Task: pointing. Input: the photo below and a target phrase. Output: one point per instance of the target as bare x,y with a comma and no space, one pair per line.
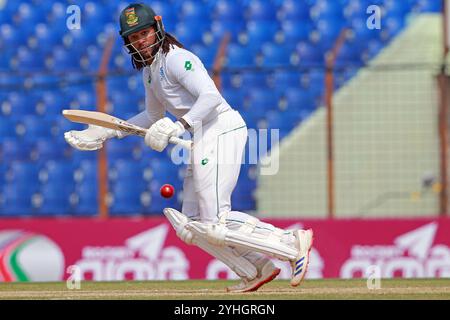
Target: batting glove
161,131
90,139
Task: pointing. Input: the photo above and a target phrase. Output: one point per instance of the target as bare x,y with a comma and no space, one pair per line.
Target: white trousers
215,165
211,177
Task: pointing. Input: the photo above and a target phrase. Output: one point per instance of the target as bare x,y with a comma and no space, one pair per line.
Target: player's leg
215,181
234,259
235,228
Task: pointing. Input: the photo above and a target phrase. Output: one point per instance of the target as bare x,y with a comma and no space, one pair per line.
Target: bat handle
181,142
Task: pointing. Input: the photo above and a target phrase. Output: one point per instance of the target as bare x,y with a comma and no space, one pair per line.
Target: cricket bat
107,121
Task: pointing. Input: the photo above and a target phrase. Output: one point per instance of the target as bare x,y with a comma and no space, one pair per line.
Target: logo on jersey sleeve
188,65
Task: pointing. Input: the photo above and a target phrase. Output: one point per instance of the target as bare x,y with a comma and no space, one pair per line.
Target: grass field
174,290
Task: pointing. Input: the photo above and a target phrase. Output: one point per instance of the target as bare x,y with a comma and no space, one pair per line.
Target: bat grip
181,142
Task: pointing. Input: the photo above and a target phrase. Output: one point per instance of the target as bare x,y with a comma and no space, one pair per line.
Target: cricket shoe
266,273
304,241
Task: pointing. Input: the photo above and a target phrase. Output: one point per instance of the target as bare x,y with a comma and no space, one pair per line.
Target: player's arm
184,69
154,110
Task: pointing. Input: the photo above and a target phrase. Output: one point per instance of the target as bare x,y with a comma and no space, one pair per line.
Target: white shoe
299,266
266,273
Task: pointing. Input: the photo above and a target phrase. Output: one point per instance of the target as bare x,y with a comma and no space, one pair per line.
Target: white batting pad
267,241
227,255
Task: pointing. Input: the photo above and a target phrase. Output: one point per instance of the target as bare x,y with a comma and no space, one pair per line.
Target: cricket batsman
176,81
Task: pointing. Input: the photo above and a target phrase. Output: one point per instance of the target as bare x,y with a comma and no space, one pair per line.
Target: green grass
279,289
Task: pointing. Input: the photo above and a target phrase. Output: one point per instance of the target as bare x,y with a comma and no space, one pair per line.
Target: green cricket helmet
136,17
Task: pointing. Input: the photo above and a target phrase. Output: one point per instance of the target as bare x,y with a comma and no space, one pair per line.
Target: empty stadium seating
274,75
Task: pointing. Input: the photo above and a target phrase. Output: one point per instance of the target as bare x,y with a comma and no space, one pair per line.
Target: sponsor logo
413,255
142,257
204,161
27,256
161,74
188,65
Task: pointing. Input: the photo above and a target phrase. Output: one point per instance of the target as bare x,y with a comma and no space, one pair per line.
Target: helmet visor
142,50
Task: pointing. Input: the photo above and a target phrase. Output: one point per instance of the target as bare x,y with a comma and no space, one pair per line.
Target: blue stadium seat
310,55
373,48
295,31
18,199
239,56
15,149
28,60
294,10
87,170
6,58
123,105
349,54
429,6
261,100
56,198
392,27
82,99
282,121
18,104
189,34
50,149
22,172
280,80
28,14
64,60
91,60
259,32
87,203
300,101
274,55
242,198
159,169
51,103
7,128
48,36
253,79
128,148
234,97
205,53
323,9
126,198
228,11
260,10
164,9
94,14
397,8
220,27
36,128
326,33
10,37
124,170
57,171
360,33
194,9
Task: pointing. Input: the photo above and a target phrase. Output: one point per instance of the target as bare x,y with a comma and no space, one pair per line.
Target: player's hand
90,139
161,131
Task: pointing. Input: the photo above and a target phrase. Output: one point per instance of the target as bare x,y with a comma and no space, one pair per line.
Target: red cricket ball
167,190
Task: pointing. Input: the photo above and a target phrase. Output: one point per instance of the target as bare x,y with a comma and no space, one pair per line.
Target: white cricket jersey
179,83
